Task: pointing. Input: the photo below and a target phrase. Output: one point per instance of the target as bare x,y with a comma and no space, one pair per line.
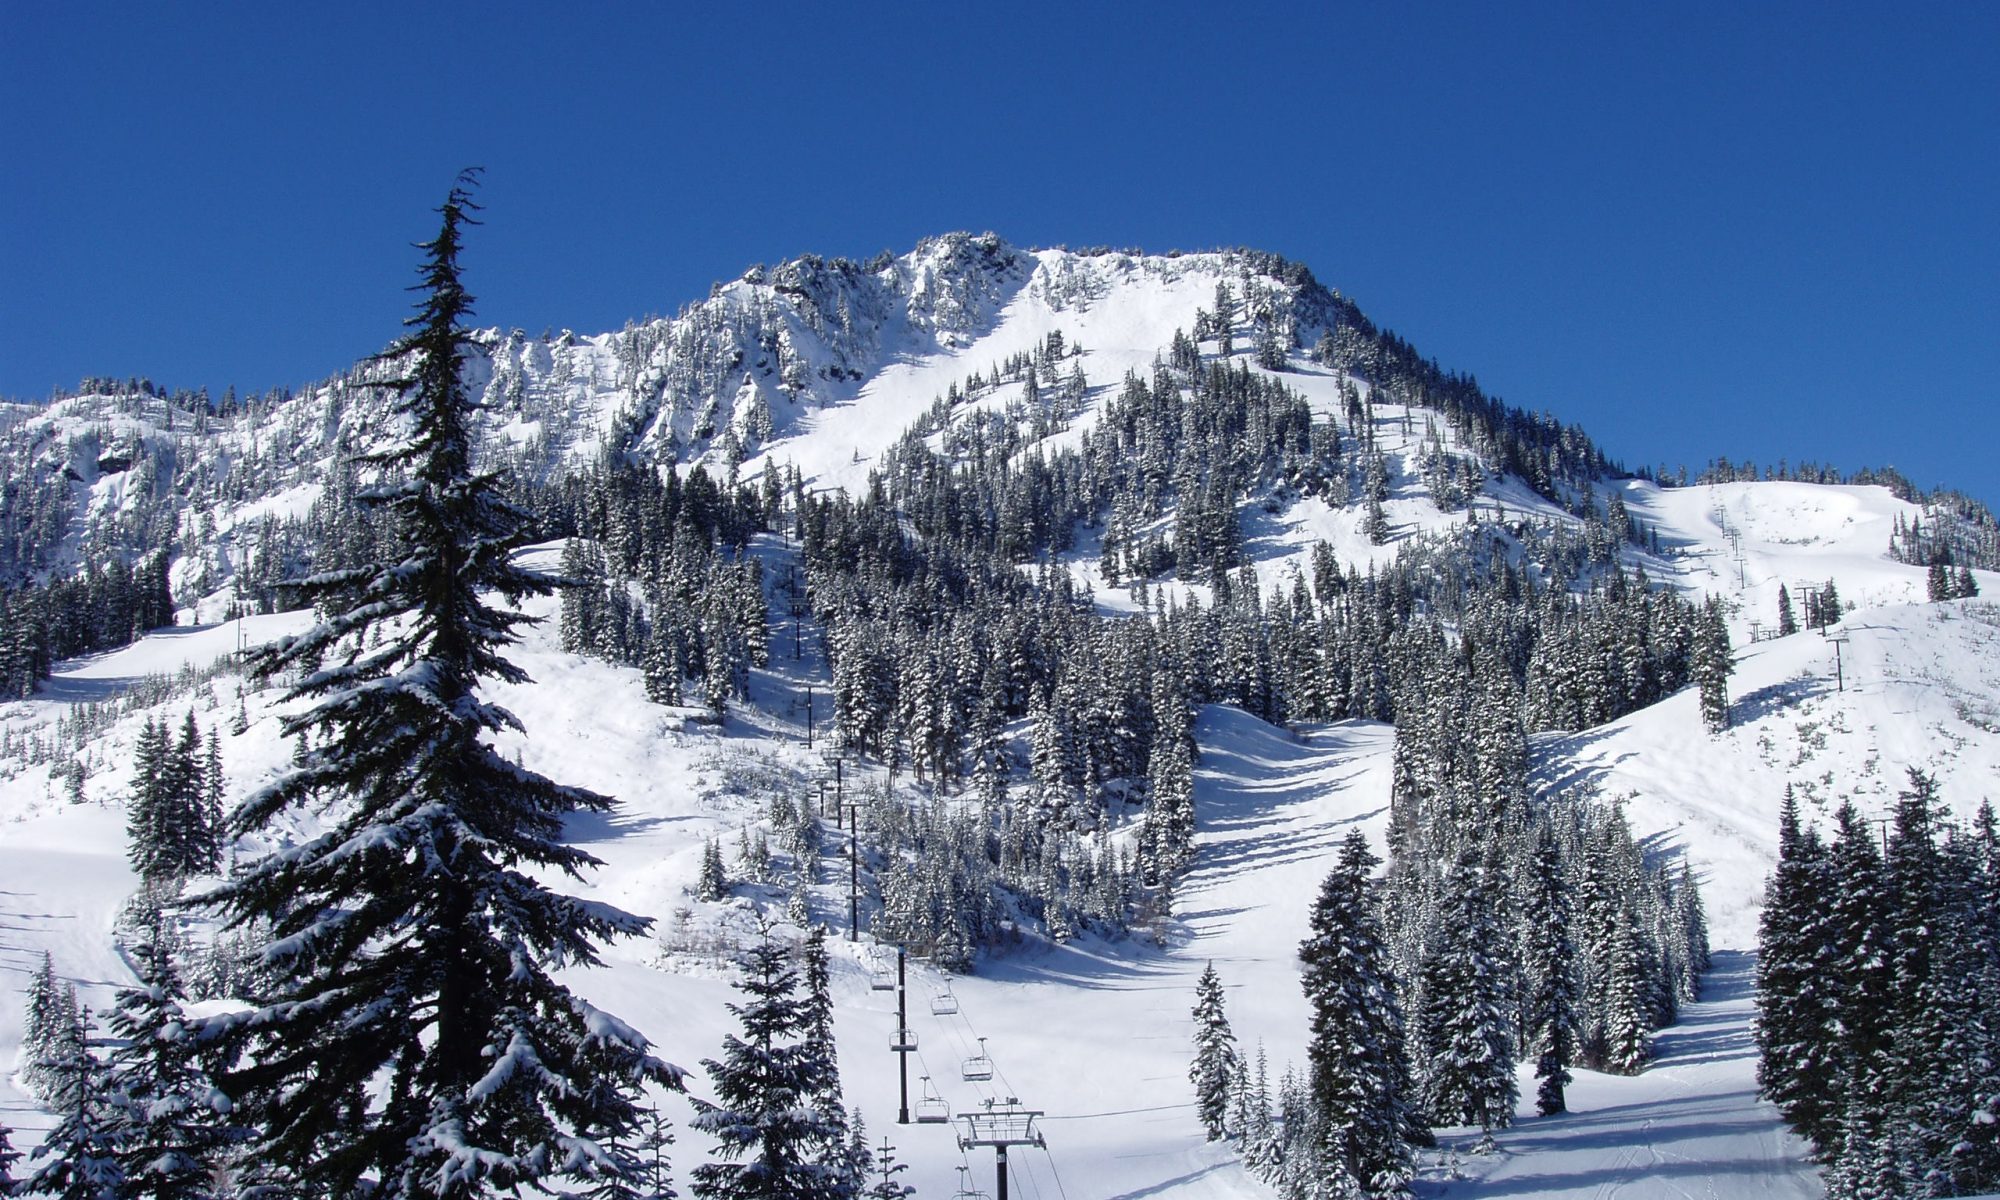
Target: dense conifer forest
1031,750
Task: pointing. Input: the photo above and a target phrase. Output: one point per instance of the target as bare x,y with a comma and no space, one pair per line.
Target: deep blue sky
1763,230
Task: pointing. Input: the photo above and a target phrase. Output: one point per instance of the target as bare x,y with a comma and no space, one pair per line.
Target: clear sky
1763,230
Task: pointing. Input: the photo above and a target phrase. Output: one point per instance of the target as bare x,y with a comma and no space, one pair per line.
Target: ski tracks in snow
1273,809
1690,1127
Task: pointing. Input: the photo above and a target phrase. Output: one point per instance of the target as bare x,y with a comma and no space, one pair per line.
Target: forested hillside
1112,616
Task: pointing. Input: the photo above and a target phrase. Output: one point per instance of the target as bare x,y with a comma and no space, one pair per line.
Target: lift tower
1001,1124
905,1041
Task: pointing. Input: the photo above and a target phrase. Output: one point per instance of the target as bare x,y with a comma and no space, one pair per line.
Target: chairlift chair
944,1003
882,977
965,1189
978,1067
903,1039
931,1107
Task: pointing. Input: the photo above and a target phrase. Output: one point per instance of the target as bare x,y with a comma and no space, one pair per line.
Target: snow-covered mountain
814,363
824,368
818,364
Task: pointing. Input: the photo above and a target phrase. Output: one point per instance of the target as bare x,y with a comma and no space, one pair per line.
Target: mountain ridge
979,376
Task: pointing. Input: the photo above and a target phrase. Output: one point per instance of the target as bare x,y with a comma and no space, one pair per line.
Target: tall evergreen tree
776,1131
1863,964
1712,666
171,816
1939,583
1630,1002
817,1045
214,833
1262,1144
415,940
146,819
1550,969
713,882
1965,1022
1796,1013
1216,1067
583,599
48,1028
1468,1002
1359,1073
1170,818
661,665
1917,896
171,1121
79,1157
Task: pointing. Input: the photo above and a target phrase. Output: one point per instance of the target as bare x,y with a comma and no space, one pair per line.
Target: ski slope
1093,1034
1690,1125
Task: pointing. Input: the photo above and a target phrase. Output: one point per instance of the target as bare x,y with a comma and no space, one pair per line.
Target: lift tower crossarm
1001,1124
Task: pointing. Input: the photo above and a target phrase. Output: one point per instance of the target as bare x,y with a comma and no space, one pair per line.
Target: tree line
1878,985
1508,927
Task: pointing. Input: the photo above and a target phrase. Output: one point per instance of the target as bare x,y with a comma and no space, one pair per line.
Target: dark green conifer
1216,1066
415,1041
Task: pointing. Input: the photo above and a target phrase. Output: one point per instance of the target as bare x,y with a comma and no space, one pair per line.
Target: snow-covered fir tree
173,1124
779,1128
1629,1014
51,1030
1788,622
415,940
173,814
1713,663
1262,1142
1799,1017
1358,1068
1167,840
79,1159
817,1048
713,882
1217,1069
1550,1023
1468,999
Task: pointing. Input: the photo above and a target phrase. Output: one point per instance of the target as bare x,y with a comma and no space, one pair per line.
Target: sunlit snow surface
1097,1034
1094,1034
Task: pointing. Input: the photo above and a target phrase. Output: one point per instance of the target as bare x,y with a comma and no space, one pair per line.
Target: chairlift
931,1107
965,1189
944,1003
979,1067
903,1039
882,977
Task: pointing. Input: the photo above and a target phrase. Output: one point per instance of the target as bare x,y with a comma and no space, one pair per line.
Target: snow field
1097,1034
1094,1034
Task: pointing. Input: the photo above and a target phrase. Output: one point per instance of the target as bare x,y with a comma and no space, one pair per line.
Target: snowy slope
843,359
1744,540
814,364
1094,1034
1922,689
